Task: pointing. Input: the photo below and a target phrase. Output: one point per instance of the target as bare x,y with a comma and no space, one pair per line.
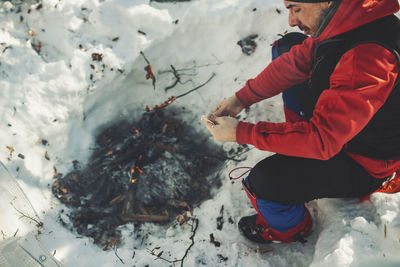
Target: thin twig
16,232
116,254
194,229
172,85
147,61
161,258
178,73
193,68
26,216
194,89
173,98
177,76
194,226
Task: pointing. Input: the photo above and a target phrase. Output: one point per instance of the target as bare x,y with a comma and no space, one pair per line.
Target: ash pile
148,171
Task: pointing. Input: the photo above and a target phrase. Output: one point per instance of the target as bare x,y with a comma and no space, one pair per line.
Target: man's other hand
228,107
224,129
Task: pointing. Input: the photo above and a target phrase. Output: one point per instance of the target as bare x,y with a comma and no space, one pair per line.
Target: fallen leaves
107,243
11,149
37,46
149,71
56,174
213,241
43,142
150,74
97,57
46,155
32,33
64,190
183,219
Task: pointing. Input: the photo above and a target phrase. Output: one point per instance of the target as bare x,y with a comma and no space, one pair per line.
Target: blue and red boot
275,222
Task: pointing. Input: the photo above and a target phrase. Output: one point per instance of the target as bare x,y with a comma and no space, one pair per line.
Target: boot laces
389,184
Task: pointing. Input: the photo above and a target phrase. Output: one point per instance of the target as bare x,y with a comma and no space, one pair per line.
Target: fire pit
146,171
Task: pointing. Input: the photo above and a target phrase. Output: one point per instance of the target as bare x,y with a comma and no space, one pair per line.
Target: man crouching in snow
341,137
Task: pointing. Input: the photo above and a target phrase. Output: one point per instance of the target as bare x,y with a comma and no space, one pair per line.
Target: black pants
292,180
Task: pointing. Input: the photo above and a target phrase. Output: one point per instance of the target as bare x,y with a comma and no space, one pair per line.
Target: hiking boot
248,227
391,186
256,229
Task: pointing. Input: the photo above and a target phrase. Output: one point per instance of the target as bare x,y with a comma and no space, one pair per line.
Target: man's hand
224,129
228,107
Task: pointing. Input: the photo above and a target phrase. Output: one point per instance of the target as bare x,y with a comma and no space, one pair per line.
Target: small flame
133,181
137,131
140,157
133,171
137,167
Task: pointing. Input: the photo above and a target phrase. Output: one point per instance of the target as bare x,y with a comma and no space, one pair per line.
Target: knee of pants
265,182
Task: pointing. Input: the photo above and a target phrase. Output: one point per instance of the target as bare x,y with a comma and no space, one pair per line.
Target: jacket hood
352,14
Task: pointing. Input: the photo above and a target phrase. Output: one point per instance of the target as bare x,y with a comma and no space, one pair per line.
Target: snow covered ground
64,97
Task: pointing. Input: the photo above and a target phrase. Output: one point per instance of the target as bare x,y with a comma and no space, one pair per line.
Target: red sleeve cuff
243,132
246,95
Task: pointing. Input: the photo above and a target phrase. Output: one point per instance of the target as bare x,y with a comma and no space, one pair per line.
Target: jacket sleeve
359,86
285,71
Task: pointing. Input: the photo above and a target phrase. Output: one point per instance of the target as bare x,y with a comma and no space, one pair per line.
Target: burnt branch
144,218
173,98
162,105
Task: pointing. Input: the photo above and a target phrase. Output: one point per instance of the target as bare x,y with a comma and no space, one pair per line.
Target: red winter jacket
359,86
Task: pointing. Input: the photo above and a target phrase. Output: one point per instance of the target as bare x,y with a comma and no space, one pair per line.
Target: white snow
58,96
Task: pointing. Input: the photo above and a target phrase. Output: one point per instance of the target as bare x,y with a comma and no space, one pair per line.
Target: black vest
380,139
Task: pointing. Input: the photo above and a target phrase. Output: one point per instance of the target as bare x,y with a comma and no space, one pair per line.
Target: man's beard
305,29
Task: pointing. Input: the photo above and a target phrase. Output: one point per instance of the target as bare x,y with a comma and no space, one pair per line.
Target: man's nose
293,20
